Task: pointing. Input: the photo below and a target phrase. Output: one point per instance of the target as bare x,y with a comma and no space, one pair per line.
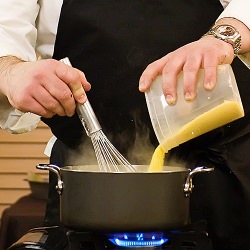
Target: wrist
221,45
241,28
228,34
8,61
6,65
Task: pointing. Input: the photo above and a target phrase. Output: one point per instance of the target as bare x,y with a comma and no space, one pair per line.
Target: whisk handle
85,112
88,118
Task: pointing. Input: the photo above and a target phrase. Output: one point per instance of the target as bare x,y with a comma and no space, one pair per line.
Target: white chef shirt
27,26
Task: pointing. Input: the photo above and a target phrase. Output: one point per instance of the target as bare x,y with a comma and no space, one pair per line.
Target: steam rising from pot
140,148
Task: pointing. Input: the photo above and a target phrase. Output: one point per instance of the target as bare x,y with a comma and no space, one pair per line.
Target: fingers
61,88
46,87
75,80
31,105
58,100
206,53
65,86
218,52
210,76
37,99
170,74
150,73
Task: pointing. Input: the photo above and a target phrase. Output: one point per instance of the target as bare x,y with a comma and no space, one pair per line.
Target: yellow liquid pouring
214,118
157,161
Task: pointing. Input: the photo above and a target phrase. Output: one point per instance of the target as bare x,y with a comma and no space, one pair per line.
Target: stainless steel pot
124,202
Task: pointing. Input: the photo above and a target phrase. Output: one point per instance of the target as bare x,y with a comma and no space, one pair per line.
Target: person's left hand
207,53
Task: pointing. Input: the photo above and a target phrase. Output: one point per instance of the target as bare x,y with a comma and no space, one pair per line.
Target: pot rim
140,169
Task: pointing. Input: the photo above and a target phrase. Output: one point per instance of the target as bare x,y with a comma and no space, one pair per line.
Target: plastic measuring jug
175,124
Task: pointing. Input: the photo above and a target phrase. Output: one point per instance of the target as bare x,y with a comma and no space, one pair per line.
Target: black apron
112,42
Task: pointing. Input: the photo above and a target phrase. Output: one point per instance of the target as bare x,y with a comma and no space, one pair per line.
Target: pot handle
55,169
188,187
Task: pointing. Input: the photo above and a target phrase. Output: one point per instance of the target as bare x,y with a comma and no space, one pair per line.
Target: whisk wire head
108,157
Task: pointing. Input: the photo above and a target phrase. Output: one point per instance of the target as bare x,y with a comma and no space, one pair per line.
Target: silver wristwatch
228,34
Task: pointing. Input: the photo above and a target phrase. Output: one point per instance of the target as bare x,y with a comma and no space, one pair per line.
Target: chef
110,44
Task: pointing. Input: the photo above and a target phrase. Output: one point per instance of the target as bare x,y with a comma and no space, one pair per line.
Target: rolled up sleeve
17,28
18,35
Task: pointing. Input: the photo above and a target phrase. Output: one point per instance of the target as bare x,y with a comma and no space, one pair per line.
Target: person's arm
241,28
18,36
238,10
45,87
207,52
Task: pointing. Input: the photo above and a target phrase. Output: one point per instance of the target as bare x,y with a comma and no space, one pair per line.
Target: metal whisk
108,157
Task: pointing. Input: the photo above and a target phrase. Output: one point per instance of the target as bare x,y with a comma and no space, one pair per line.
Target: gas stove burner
191,237
132,240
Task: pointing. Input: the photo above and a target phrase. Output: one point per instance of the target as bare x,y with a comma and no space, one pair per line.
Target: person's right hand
46,87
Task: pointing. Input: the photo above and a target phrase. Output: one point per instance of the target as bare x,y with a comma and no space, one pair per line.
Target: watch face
226,31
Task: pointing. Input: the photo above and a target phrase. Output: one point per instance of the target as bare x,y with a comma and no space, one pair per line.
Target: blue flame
138,239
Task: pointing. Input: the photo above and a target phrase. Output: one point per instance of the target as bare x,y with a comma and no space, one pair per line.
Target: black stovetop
192,237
